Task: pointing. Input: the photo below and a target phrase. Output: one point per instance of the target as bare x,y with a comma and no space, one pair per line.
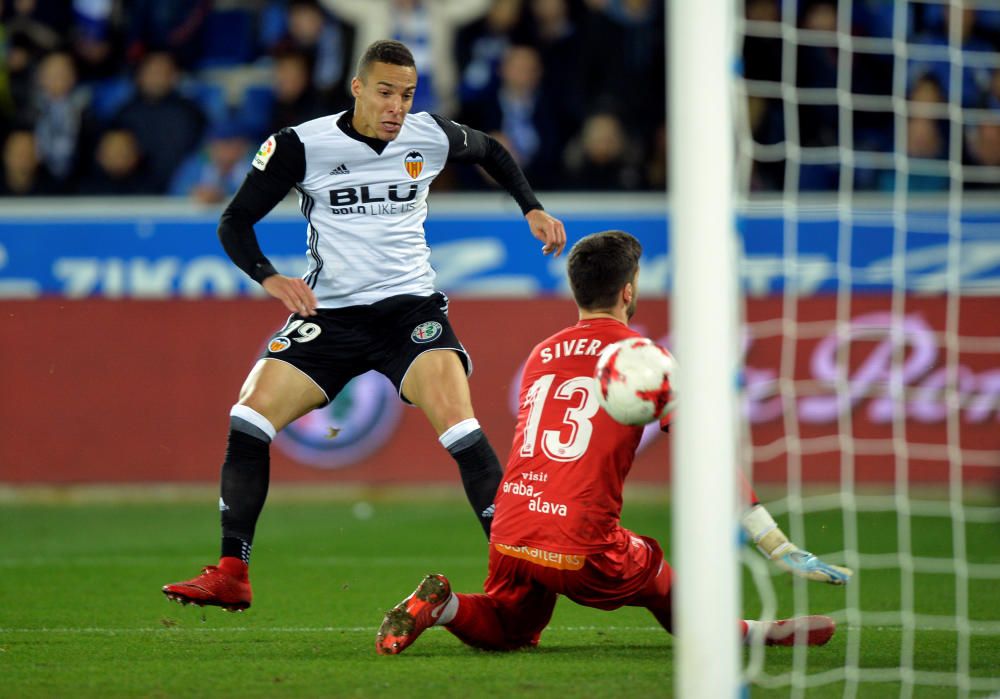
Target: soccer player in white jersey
367,300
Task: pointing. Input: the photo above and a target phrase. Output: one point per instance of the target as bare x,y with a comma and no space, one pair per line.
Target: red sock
477,624
233,566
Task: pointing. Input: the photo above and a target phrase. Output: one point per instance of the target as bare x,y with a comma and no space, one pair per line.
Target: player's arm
278,166
471,146
760,527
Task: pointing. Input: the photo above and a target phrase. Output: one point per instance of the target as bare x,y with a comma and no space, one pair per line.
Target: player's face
383,99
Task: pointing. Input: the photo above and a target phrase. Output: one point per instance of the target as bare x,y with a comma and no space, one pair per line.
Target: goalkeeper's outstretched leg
814,630
524,583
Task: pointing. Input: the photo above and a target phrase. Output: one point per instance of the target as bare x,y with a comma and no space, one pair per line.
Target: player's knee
437,376
444,404
262,400
279,407
447,415
451,411
258,397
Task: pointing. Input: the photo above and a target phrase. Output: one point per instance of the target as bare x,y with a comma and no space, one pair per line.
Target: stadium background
125,333
114,308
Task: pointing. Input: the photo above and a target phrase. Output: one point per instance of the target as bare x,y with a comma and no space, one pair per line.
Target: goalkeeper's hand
772,542
804,564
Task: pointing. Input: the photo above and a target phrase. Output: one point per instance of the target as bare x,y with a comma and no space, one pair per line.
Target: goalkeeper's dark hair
600,265
385,51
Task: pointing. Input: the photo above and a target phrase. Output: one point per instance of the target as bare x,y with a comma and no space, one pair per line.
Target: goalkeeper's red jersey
562,488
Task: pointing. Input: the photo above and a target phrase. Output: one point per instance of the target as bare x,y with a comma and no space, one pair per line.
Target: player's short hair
385,51
600,265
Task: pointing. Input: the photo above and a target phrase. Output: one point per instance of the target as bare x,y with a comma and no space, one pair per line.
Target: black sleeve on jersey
260,192
467,145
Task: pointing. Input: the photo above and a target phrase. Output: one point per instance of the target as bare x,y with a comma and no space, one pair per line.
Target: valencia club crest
414,163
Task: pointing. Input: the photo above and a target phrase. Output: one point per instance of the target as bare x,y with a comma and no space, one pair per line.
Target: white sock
460,429
248,414
448,612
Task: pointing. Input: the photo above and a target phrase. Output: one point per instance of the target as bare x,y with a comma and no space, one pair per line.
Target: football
633,381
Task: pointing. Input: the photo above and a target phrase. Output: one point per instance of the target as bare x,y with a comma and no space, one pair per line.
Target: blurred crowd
944,56
121,97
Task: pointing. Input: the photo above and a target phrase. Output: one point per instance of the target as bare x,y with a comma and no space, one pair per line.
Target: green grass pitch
81,614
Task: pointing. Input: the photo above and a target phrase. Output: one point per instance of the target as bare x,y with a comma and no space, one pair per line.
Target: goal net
867,178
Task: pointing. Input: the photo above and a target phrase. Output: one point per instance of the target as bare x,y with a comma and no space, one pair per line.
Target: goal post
866,188
704,322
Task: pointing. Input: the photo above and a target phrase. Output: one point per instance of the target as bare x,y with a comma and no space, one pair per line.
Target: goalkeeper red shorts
619,576
523,583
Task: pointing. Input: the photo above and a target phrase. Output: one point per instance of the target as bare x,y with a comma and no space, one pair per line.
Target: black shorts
337,344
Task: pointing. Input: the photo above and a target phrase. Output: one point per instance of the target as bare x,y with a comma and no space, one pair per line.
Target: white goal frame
704,321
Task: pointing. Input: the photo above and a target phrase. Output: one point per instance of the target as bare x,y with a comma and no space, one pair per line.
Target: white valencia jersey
365,201
366,210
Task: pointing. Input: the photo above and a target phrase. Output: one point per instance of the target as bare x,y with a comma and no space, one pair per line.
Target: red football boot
408,619
812,630
226,585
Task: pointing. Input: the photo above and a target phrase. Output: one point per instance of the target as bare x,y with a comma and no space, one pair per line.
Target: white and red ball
634,381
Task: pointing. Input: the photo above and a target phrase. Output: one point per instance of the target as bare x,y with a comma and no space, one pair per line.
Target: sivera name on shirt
570,348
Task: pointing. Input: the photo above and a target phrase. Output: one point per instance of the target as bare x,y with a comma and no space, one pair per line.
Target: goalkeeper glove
772,542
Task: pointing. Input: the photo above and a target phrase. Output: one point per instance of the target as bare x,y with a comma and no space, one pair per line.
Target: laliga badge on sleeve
264,153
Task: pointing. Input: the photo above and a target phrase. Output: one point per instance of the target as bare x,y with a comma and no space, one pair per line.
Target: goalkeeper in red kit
556,528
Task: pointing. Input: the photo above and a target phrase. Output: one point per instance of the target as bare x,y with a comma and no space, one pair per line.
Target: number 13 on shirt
580,394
